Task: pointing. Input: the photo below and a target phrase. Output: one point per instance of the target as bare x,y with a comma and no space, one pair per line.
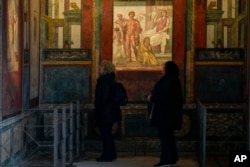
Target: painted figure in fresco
147,57
162,35
151,16
133,31
117,43
119,36
159,35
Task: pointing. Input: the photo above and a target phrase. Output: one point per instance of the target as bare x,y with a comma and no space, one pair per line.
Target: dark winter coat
106,111
168,103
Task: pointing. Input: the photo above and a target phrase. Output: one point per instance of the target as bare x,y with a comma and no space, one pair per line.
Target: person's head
164,13
120,16
131,14
106,67
146,40
171,69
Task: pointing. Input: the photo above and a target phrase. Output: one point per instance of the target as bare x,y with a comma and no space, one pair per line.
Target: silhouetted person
167,101
107,112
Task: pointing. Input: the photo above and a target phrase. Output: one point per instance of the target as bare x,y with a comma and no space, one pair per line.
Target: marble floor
185,160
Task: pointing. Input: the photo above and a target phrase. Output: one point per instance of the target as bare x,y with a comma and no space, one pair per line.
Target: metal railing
47,129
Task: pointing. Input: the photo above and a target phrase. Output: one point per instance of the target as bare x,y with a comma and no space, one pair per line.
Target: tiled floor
185,160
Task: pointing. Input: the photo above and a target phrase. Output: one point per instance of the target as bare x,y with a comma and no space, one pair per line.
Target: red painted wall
200,24
87,24
107,29
179,18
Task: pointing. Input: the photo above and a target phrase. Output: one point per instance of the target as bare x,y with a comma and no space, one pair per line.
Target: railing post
64,136
55,122
78,129
83,126
71,135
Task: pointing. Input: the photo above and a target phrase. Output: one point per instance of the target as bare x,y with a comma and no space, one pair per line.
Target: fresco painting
142,34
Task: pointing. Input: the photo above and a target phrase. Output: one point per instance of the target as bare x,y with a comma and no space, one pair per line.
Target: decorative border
66,54
227,54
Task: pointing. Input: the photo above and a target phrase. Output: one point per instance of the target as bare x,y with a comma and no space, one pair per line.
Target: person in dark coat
106,112
166,112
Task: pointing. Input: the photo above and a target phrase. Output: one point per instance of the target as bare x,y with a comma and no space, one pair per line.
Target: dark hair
171,69
131,12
